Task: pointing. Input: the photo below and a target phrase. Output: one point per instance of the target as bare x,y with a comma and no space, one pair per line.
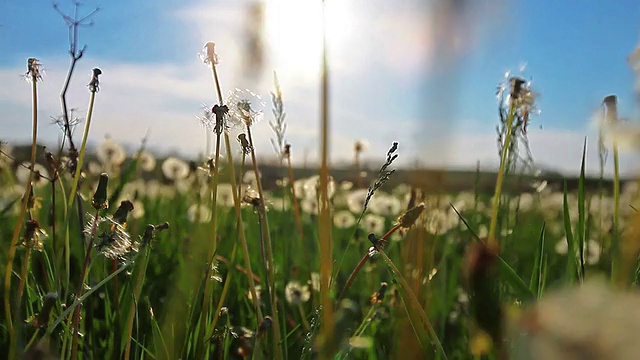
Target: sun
293,30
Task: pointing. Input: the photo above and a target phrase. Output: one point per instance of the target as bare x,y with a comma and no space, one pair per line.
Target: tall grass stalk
324,223
34,76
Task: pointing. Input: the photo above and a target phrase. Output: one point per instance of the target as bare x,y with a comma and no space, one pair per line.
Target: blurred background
423,73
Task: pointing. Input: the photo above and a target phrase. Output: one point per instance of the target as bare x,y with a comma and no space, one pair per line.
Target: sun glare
294,34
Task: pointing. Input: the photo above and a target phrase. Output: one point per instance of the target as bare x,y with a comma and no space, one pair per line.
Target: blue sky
417,72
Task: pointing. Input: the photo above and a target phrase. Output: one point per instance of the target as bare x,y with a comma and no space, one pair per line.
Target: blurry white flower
152,189
463,297
279,204
590,321
258,293
296,293
385,205
40,174
5,151
539,186
198,213
138,209
225,195
95,168
346,185
146,161
343,219
372,223
312,185
624,133
309,206
315,281
592,250
250,178
355,200
562,247
111,153
175,169
438,222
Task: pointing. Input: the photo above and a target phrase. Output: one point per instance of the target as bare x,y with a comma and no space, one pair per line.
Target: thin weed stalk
208,291
33,67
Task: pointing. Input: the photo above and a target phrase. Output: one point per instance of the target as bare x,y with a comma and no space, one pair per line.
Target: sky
423,73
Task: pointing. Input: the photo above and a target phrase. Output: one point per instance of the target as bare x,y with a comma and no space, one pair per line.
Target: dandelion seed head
175,169
245,107
111,153
111,238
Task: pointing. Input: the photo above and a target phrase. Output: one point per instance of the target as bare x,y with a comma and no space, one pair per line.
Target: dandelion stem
266,240
236,198
236,202
241,235
213,236
16,230
501,173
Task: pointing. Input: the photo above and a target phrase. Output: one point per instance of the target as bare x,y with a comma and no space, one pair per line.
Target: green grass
243,274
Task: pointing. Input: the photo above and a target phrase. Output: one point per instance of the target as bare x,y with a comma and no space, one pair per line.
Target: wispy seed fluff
111,238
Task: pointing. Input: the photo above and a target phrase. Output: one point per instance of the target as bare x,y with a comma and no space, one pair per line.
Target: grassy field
119,255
